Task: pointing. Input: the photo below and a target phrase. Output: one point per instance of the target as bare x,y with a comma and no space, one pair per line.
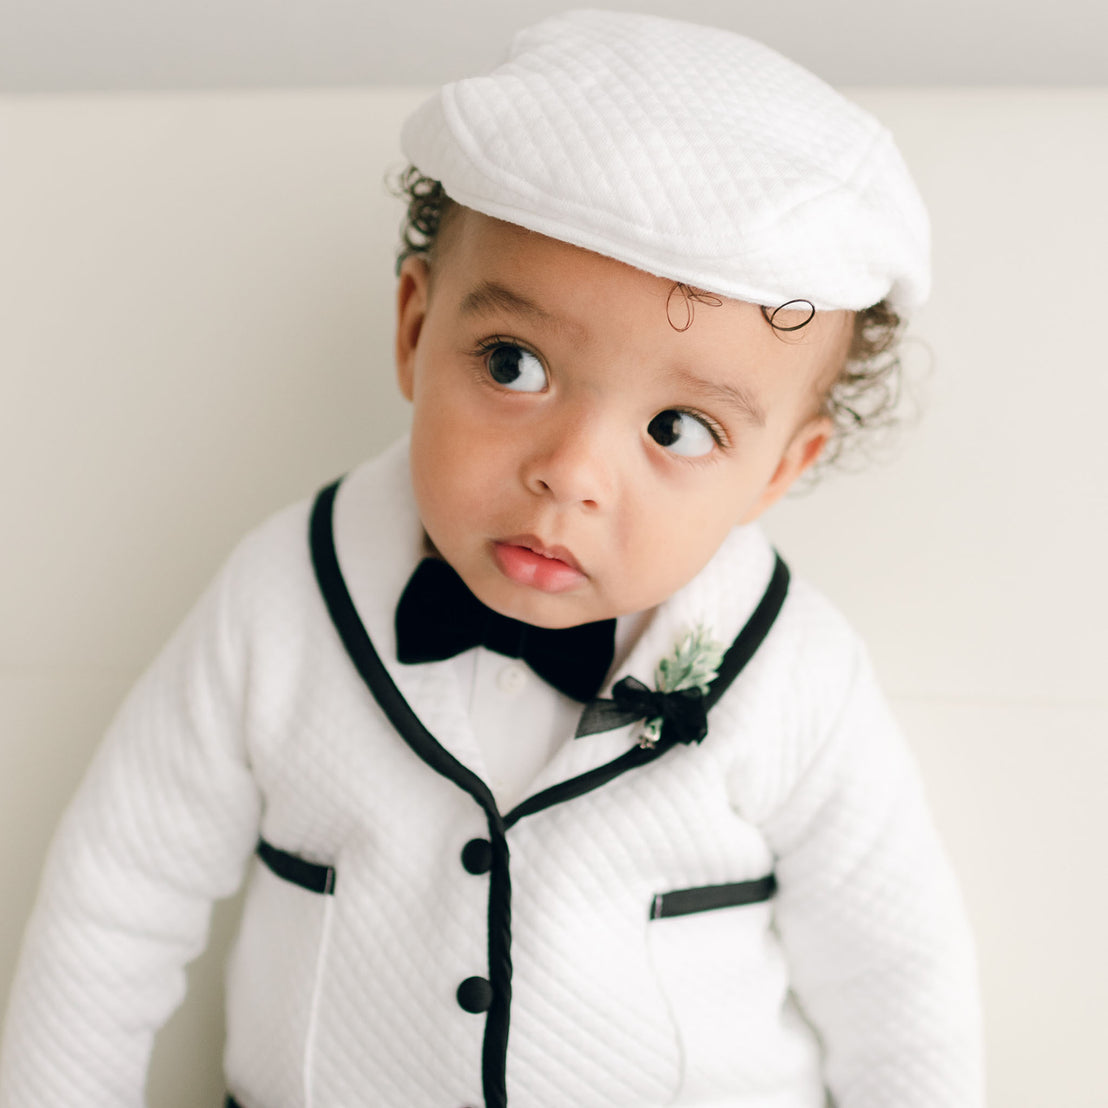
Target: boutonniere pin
674,710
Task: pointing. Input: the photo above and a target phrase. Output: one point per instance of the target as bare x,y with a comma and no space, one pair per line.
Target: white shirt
507,699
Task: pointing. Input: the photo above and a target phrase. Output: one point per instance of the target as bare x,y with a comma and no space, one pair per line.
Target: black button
477,856
475,995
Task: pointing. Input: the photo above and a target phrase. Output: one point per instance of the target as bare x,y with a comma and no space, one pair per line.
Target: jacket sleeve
880,954
161,826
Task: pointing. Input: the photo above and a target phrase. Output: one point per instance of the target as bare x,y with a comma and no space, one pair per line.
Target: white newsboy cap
687,151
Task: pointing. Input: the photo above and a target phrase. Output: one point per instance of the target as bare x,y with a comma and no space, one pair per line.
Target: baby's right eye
515,368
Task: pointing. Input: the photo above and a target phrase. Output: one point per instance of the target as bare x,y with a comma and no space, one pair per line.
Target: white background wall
195,313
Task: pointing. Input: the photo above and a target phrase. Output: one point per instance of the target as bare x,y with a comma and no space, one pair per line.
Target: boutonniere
674,709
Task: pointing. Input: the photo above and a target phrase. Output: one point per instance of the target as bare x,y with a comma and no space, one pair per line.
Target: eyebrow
736,397
489,297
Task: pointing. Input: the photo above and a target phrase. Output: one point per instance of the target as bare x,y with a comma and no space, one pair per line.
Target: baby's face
575,457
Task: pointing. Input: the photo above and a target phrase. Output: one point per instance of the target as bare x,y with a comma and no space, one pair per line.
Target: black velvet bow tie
438,617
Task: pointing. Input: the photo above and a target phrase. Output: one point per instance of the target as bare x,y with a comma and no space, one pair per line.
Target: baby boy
551,788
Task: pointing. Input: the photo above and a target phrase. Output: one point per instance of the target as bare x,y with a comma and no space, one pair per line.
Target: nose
571,462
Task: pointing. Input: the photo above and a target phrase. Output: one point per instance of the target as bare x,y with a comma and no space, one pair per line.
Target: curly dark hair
427,204
862,398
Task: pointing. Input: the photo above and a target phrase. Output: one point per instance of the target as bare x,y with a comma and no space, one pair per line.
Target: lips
528,561
536,546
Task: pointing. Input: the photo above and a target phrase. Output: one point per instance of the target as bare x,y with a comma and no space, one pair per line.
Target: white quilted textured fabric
689,152
857,977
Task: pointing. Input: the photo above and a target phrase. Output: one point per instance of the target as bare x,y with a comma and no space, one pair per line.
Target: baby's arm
161,826
880,954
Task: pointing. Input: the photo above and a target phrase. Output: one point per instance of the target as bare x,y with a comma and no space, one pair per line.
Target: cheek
439,469
697,542
458,474
675,535
440,426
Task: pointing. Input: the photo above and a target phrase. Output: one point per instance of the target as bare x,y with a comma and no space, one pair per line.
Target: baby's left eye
682,433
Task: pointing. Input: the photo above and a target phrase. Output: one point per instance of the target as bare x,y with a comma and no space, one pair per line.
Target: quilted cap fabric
690,152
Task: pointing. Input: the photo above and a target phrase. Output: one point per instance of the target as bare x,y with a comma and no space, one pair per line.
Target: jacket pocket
274,976
721,969
705,898
313,876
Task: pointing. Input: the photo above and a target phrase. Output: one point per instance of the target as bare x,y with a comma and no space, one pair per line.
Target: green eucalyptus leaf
693,665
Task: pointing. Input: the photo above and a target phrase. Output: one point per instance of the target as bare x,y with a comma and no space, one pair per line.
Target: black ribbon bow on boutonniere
675,711
678,717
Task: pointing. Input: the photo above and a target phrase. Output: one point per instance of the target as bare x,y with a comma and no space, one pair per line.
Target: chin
552,611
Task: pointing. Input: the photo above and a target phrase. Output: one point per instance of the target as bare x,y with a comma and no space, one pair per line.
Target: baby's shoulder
812,635
807,706
805,668
275,555
810,655
272,560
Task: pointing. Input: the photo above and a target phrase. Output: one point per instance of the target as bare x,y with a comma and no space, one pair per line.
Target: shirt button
511,678
477,856
475,995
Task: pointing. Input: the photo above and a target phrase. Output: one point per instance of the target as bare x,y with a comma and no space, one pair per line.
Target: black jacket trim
312,876
364,656
230,1102
705,898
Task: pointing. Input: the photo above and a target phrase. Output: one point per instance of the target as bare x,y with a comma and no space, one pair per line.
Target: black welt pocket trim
308,875
683,902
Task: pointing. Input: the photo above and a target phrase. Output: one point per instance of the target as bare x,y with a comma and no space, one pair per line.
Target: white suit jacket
749,922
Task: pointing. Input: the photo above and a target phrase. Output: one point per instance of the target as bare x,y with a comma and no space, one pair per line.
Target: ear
411,310
804,448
